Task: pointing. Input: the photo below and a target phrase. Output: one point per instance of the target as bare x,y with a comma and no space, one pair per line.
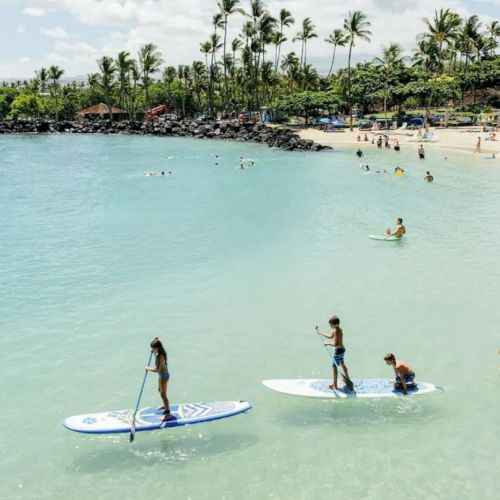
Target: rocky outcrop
274,137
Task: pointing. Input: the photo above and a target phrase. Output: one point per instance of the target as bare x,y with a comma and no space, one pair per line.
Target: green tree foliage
454,59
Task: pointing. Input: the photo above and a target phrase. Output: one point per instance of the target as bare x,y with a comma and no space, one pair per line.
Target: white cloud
23,60
21,29
179,26
54,32
34,11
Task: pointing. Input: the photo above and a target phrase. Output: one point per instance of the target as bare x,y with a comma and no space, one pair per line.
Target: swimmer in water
359,153
428,177
163,174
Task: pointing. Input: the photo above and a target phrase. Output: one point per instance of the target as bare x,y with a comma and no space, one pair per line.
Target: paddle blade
348,382
132,434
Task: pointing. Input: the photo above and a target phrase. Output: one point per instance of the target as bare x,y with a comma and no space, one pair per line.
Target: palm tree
135,75
54,74
43,77
215,45
304,35
493,30
205,49
291,69
468,33
355,26
265,29
123,63
277,39
285,20
169,74
337,38
391,59
443,28
150,61
105,80
426,56
227,8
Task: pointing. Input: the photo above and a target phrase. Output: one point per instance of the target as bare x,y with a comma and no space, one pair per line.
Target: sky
75,33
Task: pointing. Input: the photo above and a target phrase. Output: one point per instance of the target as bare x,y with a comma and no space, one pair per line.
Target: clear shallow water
233,269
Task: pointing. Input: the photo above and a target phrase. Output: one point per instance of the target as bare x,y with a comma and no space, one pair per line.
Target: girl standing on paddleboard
161,367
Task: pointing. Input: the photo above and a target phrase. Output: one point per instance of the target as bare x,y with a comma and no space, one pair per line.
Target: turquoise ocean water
233,269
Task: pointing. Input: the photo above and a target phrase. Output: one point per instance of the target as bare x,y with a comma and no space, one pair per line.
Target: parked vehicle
155,113
415,123
249,117
365,125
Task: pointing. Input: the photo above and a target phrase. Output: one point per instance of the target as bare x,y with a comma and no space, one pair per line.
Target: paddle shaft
132,428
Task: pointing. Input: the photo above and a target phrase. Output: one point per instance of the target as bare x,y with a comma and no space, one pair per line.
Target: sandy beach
459,139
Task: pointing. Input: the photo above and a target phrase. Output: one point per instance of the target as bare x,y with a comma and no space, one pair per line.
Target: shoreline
284,139
462,140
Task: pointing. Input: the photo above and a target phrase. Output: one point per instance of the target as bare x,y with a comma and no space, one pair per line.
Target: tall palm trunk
224,63
386,84
349,98
333,61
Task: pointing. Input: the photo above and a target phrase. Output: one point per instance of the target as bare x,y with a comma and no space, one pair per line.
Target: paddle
347,381
132,427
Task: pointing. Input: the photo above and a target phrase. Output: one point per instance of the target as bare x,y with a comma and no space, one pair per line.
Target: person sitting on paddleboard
400,229
161,368
405,376
337,336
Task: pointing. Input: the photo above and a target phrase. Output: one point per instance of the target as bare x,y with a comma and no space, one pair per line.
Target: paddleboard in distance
150,419
384,238
363,388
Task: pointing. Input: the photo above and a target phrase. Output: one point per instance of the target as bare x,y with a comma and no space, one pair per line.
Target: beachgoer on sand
477,149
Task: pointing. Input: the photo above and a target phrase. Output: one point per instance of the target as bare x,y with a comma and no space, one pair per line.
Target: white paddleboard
363,388
149,419
384,238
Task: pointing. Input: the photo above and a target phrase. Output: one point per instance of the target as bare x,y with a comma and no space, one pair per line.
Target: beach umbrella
326,121
338,123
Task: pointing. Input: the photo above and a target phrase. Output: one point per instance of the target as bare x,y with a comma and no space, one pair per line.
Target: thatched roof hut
100,110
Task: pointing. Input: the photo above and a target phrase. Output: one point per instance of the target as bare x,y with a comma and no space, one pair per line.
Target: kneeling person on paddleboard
337,336
161,368
405,376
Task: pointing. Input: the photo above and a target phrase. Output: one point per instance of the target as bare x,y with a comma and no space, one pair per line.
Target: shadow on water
115,453
363,412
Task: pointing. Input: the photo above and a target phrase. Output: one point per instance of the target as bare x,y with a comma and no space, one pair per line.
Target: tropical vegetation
454,63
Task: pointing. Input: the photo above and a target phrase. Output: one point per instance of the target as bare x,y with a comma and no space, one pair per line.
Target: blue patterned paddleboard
363,388
149,419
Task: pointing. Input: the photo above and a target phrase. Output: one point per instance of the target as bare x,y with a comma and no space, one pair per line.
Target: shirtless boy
400,229
337,337
405,376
